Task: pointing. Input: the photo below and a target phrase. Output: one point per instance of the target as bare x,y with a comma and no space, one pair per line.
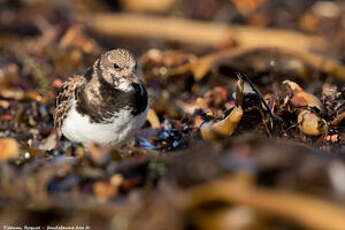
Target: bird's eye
116,66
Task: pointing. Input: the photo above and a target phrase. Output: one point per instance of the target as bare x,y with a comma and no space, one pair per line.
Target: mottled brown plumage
64,99
107,96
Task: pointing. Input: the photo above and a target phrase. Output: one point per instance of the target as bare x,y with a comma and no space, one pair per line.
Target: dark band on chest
112,101
140,99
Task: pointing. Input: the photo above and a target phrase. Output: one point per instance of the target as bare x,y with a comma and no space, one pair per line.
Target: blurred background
29,19
264,174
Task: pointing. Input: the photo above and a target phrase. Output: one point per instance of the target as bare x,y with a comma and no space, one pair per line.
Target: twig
268,109
202,66
148,5
310,212
338,119
199,32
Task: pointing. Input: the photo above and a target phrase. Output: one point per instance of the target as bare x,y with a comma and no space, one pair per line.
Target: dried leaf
116,179
211,130
153,119
104,191
76,36
8,149
32,95
301,97
310,123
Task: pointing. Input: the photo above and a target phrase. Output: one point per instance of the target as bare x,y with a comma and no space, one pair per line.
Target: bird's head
118,67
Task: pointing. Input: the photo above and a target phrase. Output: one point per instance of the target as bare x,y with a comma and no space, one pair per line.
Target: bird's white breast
120,128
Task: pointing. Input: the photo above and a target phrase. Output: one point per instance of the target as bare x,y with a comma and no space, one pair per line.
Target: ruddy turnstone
106,104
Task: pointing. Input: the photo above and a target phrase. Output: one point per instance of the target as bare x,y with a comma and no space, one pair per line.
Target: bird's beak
133,78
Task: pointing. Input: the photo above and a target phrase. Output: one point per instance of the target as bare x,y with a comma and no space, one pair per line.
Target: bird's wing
64,98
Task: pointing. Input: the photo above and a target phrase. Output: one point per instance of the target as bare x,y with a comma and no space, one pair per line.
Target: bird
105,105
